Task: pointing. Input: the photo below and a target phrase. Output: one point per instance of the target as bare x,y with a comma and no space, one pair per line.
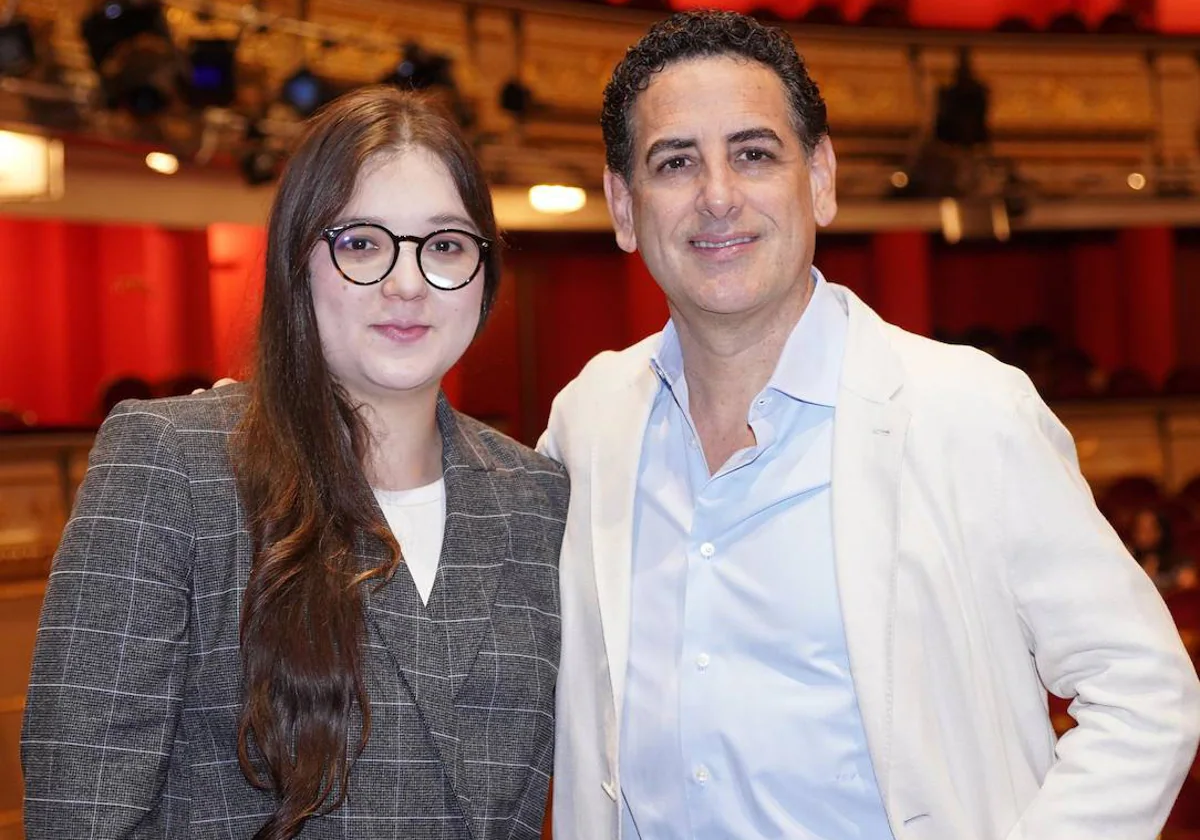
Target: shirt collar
810,367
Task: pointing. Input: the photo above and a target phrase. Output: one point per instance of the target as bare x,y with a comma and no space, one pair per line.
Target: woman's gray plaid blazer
131,719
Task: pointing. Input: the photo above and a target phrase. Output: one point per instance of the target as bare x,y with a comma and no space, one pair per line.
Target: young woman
322,604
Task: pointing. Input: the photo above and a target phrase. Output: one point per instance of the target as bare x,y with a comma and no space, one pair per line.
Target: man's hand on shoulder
223,381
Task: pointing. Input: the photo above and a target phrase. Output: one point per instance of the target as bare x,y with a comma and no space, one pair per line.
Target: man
818,572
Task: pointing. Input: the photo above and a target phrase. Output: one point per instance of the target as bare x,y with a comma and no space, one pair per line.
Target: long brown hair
298,456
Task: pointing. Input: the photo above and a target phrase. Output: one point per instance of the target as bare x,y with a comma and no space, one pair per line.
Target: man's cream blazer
974,572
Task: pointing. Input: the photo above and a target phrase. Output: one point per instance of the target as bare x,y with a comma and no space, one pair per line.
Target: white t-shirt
417,518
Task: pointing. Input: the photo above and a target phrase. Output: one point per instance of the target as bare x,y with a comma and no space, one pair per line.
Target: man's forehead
714,78
695,100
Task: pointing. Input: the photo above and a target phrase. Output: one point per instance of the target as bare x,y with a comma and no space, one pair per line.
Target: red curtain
1004,287
83,304
1148,279
489,382
236,263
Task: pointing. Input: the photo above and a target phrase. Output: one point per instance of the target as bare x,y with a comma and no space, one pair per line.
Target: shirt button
702,774
708,550
702,661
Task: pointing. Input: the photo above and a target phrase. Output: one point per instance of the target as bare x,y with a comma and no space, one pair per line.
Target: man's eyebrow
749,134
669,144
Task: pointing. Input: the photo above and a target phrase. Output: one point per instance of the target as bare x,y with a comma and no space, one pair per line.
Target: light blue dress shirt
740,718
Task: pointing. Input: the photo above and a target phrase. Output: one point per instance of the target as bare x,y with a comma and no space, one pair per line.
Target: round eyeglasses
366,253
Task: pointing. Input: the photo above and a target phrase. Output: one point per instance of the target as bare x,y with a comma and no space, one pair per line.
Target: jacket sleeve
548,446
548,443
1101,637
110,662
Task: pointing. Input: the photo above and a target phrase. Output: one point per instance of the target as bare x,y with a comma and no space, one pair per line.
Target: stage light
516,98
420,69
962,108
131,47
212,79
116,22
146,80
305,92
17,53
1136,181
556,199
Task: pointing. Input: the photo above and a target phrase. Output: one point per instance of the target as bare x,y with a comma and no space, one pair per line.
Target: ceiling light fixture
556,198
163,162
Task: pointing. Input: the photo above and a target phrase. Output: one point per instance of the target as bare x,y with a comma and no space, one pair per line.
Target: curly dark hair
700,34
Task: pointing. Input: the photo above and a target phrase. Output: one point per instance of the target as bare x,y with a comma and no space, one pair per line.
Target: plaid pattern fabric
131,720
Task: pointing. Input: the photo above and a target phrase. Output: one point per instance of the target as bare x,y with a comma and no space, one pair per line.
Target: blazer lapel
868,449
475,547
616,458
435,645
420,651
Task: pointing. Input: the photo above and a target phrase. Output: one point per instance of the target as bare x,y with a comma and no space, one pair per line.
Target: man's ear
620,209
822,176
